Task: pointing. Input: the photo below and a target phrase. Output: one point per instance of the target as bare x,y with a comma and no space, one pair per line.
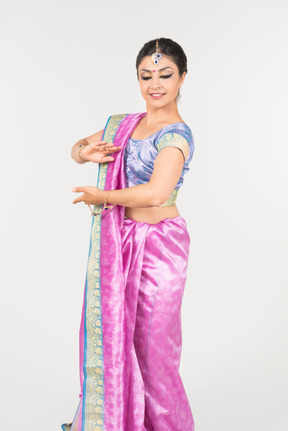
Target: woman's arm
168,167
89,140
94,150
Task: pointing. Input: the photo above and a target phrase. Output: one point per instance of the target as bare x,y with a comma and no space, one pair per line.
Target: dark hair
166,47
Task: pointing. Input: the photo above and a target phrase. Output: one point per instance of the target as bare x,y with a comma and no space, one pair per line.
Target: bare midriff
151,215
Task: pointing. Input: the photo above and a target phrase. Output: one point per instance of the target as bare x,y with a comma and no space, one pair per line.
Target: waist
151,214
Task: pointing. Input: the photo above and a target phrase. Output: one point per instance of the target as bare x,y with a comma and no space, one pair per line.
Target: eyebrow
160,70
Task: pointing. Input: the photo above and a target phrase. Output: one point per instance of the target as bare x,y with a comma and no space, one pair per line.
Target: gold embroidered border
174,140
94,385
171,200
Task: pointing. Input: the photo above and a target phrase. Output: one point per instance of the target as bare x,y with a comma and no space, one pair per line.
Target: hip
168,237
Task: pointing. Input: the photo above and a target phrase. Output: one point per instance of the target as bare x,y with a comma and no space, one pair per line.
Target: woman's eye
166,76
162,76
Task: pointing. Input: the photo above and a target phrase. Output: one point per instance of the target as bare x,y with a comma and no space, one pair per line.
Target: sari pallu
113,374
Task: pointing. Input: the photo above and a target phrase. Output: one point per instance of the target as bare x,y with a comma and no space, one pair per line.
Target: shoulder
177,135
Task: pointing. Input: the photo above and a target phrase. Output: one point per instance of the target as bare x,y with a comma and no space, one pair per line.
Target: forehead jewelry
156,56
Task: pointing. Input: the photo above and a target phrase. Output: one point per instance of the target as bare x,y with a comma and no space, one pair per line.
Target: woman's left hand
91,195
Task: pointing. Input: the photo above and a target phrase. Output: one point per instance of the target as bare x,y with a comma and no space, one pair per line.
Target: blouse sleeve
174,140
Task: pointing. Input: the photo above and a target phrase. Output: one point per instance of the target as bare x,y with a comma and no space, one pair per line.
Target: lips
157,95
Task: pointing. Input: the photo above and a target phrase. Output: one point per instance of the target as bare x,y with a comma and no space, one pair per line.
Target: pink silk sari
129,362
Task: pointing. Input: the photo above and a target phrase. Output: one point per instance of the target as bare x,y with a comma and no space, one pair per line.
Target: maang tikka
156,57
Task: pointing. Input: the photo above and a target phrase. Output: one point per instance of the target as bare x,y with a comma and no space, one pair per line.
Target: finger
103,143
107,159
107,144
79,199
114,148
110,150
104,146
78,189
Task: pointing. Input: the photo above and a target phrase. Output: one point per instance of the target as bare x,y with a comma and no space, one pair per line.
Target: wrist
80,151
102,197
105,197
108,197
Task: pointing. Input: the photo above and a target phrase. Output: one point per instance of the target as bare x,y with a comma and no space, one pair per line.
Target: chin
159,103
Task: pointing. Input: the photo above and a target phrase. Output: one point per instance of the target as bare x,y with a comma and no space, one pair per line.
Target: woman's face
159,84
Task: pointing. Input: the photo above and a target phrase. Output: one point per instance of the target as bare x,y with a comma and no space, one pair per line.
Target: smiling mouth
157,95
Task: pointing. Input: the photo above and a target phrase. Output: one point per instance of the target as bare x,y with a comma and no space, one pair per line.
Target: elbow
155,201
157,197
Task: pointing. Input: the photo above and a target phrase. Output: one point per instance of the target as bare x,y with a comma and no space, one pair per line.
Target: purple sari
129,361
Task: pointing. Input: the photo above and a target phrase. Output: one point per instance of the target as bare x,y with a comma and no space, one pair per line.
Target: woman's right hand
98,152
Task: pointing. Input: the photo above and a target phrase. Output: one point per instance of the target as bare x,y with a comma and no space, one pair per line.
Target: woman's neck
167,114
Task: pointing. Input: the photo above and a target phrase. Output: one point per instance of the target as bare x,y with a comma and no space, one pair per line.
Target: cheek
173,84
143,86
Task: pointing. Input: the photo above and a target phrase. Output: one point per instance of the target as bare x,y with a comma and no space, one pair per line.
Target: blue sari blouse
140,155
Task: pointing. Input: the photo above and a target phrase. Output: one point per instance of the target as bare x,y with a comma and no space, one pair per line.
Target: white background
65,67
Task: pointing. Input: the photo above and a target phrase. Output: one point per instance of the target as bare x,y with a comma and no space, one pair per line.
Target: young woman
130,333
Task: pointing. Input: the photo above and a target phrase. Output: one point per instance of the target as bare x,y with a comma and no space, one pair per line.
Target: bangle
106,206
80,148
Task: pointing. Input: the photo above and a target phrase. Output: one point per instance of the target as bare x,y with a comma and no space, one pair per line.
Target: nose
155,83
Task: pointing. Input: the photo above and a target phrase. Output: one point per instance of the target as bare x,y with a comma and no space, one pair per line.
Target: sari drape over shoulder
113,362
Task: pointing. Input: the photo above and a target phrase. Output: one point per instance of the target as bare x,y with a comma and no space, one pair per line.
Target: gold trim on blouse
171,200
174,140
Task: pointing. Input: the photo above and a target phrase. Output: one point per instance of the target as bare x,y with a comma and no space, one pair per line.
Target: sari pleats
155,260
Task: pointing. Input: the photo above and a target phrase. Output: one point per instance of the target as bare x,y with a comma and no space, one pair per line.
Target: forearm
75,151
140,196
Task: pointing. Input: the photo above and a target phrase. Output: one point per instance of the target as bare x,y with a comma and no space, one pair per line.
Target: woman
130,332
